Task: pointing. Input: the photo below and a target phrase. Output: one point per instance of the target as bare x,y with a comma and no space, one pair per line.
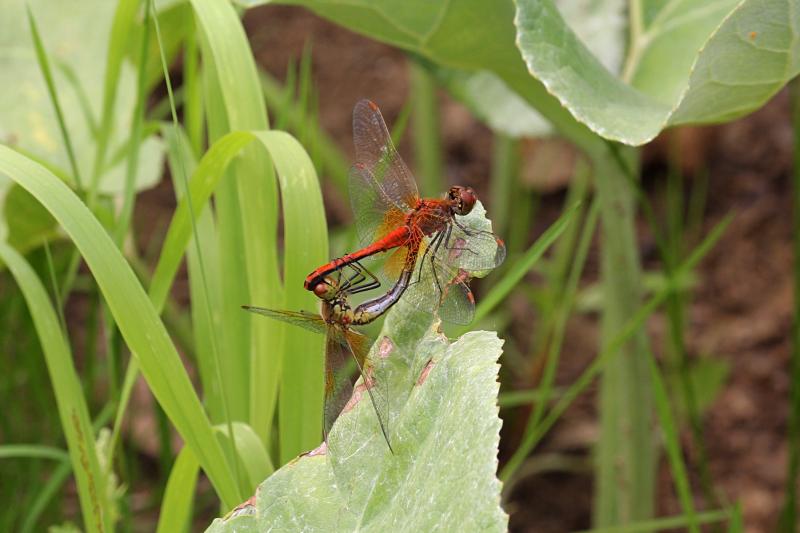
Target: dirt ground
741,309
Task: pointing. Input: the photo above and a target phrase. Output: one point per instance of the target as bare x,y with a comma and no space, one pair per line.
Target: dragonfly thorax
337,311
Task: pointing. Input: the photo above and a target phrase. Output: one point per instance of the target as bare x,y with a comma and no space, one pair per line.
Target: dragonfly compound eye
323,291
466,200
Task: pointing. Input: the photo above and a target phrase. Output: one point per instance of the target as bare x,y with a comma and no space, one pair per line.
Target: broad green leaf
468,35
27,222
77,58
689,61
444,428
599,24
490,99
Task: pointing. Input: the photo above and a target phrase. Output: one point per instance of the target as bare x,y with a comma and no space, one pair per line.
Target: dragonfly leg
425,255
471,233
445,237
364,283
354,280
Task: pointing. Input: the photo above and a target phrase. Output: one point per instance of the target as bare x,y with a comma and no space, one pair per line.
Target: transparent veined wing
347,351
441,289
375,213
303,319
471,249
375,151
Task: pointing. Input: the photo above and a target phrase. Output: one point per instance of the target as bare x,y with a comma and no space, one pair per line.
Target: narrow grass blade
305,248
176,506
44,66
609,352
129,194
204,295
562,312
134,314
673,445
248,212
671,522
72,407
32,451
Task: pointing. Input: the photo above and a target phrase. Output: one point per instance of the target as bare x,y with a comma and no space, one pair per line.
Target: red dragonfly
343,343
434,236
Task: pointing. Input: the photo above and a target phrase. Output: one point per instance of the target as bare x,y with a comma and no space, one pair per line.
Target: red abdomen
394,239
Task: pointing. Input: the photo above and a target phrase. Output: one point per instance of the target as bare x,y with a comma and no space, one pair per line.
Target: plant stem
505,166
625,452
427,137
789,512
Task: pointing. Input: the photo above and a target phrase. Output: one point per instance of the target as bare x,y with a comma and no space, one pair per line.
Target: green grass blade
250,453
32,451
44,66
50,488
305,248
72,408
176,506
231,76
205,291
129,194
609,352
562,313
121,30
134,314
671,522
673,445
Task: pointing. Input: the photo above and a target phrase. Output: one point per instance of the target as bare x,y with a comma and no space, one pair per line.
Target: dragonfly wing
441,289
473,250
310,321
376,213
338,385
346,351
374,378
374,150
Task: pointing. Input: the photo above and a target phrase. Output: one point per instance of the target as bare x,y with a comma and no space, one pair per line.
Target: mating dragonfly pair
434,255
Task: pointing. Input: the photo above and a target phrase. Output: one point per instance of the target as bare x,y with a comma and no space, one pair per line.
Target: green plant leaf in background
445,432
470,35
689,61
28,121
600,25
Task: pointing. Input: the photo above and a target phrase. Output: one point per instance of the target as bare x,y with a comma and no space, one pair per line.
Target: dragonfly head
463,199
326,289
